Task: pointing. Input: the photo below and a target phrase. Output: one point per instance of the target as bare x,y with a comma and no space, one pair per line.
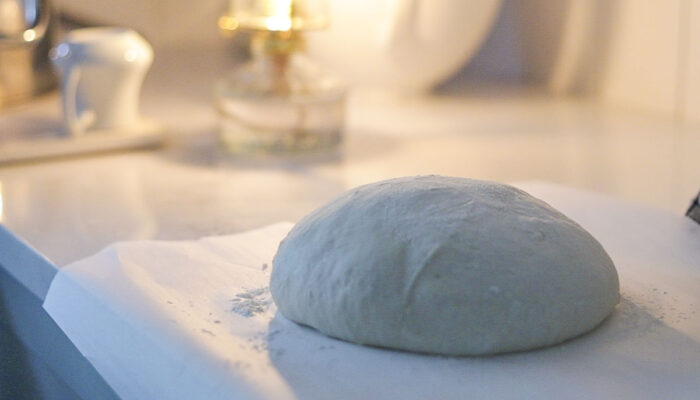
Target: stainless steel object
694,210
26,36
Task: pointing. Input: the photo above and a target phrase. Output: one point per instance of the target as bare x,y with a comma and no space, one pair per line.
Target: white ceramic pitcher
101,70
408,45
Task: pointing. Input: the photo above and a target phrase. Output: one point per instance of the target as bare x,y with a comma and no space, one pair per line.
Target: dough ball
443,265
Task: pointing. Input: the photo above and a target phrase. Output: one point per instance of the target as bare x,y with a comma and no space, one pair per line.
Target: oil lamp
279,101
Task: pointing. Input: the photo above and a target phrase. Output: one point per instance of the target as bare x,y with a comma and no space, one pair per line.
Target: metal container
26,36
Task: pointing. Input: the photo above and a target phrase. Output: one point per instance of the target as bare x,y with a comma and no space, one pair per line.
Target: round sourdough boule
443,265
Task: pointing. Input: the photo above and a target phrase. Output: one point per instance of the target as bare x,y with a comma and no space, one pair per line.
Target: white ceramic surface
409,45
145,134
101,70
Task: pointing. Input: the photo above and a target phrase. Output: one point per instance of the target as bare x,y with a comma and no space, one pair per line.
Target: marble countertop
69,209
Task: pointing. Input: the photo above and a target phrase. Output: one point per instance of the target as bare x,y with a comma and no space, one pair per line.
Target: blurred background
596,94
642,55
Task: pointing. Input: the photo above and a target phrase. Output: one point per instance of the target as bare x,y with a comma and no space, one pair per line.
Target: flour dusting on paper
251,302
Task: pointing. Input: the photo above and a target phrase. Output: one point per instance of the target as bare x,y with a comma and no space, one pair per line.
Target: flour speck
251,302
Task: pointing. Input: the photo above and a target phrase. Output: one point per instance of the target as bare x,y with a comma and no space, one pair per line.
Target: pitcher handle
76,124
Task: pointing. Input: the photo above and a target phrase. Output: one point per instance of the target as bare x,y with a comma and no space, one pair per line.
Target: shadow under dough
631,353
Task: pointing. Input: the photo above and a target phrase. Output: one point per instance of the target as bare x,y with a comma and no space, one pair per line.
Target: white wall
642,64
635,54
691,83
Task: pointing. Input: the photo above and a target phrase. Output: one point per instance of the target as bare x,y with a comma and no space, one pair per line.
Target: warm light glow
278,23
130,55
280,15
29,35
228,23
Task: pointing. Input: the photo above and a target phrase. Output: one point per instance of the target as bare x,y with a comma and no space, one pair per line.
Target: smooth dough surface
443,265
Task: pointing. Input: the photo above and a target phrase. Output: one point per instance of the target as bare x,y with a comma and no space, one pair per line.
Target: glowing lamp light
29,35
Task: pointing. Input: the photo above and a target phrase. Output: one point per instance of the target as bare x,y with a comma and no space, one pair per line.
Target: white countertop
69,209
56,212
